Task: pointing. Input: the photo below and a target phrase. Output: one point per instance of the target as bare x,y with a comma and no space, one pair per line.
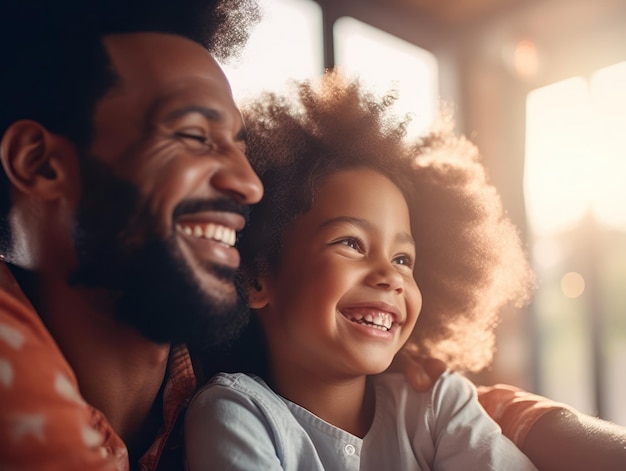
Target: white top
237,422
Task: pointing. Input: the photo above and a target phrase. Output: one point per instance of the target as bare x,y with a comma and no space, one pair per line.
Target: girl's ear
259,293
36,160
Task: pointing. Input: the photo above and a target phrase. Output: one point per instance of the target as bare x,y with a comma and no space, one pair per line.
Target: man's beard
153,289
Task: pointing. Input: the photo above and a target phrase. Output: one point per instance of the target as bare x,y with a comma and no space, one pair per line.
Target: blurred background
540,87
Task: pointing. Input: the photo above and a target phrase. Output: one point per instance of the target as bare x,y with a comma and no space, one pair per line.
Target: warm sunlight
608,144
575,152
286,44
385,61
558,179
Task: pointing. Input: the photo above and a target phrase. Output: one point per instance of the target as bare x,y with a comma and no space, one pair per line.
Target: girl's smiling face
344,299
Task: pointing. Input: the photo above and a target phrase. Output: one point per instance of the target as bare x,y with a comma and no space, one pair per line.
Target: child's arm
553,435
227,429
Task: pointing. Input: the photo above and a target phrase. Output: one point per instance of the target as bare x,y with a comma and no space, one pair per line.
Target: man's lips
221,227
217,232
381,316
212,236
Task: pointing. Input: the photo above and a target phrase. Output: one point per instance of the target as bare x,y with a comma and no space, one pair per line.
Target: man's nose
238,180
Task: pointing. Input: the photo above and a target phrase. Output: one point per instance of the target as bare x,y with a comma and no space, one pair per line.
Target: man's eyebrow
209,113
401,237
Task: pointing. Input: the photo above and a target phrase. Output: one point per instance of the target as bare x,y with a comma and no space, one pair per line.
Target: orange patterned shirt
45,424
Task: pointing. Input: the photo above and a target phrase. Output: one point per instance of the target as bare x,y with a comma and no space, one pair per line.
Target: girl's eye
405,260
351,242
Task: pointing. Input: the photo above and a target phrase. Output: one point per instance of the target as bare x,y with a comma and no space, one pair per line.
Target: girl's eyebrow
401,237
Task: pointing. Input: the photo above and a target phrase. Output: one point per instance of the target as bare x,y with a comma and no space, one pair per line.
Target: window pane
557,170
575,194
608,141
286,44
556,183
608,98
385,61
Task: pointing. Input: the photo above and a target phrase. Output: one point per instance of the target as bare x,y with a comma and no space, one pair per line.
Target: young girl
354,225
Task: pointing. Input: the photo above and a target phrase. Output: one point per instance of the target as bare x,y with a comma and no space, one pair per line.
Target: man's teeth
217,232
380,320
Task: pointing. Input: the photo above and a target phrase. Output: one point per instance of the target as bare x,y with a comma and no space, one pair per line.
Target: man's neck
119,372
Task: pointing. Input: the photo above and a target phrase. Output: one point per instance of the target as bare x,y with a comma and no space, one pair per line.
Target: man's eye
195,137
197,141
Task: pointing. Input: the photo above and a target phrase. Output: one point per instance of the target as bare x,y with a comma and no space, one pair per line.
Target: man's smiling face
165,187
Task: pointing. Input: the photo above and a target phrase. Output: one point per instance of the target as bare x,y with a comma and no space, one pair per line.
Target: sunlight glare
576,152
557,175
384,62
608,143
285,45
572,284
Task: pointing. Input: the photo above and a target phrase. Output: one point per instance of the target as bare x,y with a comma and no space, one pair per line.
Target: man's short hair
55,67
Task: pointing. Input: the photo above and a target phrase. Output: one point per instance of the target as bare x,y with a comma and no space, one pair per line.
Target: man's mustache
193,206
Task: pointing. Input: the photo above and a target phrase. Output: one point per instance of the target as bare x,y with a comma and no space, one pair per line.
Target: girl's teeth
381,321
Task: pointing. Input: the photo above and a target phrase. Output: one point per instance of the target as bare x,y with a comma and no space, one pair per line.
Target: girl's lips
378,316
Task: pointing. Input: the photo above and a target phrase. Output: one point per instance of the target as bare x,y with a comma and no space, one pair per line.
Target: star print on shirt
11,336
24,425
6,373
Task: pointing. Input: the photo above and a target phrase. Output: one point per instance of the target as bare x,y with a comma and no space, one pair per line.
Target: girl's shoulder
450,388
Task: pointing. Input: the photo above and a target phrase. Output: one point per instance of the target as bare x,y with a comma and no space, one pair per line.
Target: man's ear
259,293
35,159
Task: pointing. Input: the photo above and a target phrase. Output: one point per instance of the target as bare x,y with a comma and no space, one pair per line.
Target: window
576,200
286,44
383,62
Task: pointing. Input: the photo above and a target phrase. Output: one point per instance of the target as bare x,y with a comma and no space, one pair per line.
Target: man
124,184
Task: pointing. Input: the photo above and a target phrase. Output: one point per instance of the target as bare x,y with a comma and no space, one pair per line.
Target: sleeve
465,436
230,430
514,409
44,422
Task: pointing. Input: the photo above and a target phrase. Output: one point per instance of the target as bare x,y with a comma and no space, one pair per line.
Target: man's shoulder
45,418
19,323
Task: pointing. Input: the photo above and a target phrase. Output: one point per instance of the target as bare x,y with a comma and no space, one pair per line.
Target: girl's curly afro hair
470,260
